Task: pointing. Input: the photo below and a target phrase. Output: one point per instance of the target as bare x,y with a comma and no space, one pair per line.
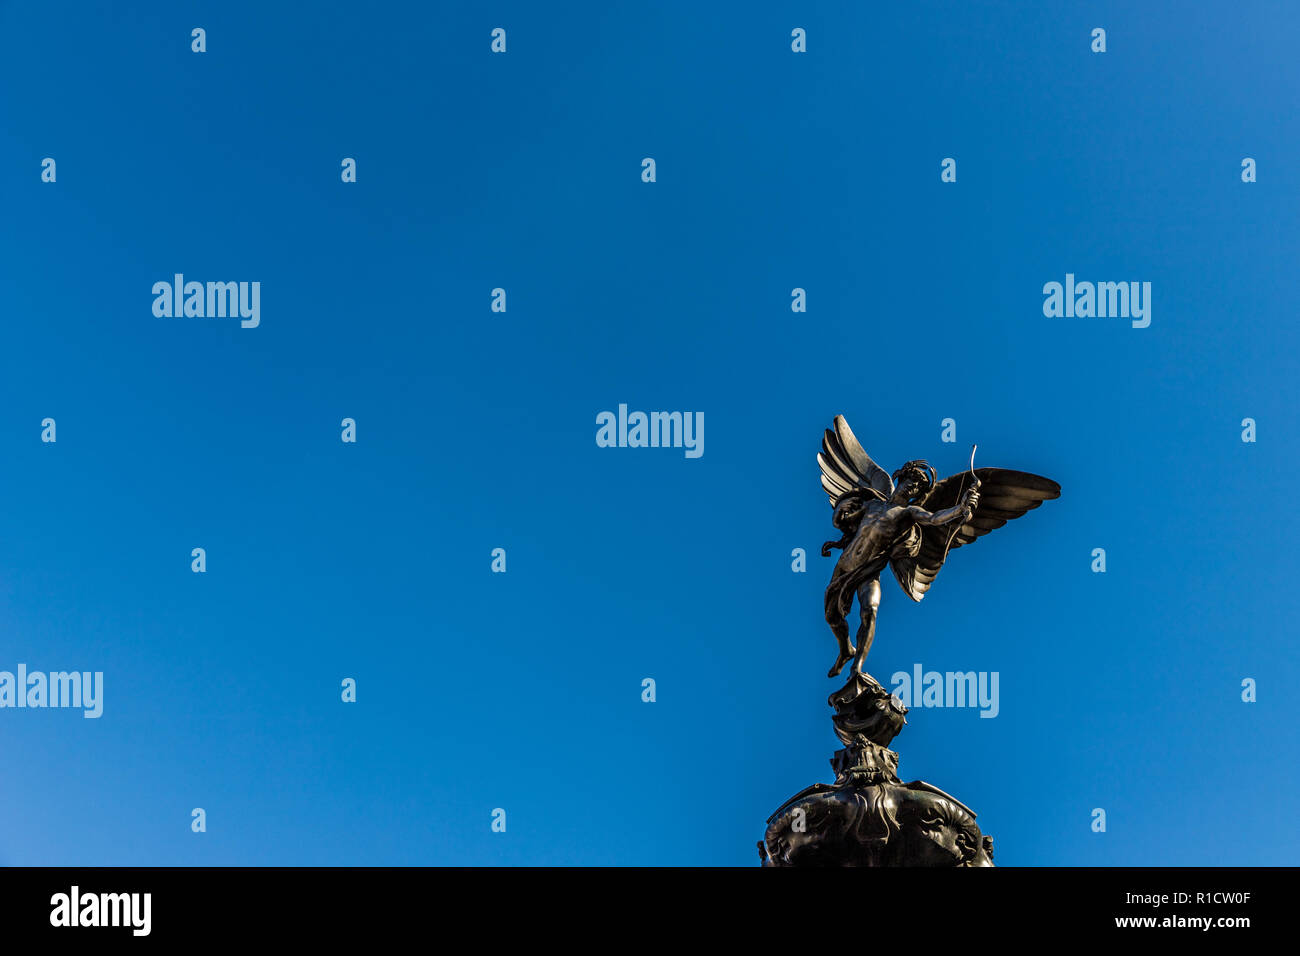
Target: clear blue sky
477,429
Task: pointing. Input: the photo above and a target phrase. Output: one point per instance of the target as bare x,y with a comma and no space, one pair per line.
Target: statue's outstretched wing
846,467
1004,494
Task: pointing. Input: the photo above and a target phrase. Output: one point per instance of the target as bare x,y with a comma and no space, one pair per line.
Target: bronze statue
868,816
909,522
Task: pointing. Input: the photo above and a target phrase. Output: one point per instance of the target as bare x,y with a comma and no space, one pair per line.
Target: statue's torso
882,527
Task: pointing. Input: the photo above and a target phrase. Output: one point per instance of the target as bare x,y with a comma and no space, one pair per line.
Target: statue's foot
846,654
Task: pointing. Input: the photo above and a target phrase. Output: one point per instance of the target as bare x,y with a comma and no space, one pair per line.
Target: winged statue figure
907,520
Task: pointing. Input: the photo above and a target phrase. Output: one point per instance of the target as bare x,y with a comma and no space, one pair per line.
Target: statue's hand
826,549
972,502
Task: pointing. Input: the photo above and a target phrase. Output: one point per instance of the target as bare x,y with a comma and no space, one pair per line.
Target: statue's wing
1004,495
847,467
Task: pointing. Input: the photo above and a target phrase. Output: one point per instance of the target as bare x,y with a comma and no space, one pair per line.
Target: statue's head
852,506
913,480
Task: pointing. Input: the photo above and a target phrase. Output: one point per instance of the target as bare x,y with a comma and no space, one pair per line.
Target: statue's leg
840,628
868,602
